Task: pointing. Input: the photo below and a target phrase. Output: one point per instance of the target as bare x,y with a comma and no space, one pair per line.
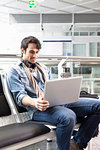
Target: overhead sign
32,3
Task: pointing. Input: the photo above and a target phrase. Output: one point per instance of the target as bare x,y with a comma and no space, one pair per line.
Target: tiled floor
44,145
96,143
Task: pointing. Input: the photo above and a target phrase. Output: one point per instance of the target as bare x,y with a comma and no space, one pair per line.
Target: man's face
31,53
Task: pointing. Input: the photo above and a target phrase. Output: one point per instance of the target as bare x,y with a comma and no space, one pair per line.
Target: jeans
64,117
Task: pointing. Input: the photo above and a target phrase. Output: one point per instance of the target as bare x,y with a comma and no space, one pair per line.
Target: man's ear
22,51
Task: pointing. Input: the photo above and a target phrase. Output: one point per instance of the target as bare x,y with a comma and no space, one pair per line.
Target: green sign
32,3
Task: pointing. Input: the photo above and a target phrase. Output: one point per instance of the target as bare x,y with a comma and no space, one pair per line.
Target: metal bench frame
19,119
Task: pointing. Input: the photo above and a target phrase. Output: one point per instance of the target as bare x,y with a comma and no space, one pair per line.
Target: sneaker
75,146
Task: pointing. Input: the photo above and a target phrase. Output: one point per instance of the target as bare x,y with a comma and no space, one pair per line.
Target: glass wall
93,49
98,49
79,49
12,34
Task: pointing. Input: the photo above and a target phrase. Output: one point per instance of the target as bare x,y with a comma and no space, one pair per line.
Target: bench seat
19,132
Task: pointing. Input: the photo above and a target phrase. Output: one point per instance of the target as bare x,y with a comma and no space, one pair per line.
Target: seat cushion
4,107
18,132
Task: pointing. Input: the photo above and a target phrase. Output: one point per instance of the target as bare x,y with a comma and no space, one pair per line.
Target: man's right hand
41,104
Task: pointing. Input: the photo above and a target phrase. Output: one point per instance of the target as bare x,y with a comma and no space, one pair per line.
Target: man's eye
31,51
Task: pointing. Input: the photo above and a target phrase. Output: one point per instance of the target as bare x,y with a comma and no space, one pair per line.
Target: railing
88,67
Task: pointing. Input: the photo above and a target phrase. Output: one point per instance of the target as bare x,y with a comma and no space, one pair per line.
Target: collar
29,64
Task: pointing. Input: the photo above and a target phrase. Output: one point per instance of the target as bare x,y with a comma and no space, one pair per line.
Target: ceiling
48,7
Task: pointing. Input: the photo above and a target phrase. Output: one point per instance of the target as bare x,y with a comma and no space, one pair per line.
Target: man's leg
90,108
64,119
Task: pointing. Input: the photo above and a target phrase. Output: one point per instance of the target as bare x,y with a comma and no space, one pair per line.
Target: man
26,82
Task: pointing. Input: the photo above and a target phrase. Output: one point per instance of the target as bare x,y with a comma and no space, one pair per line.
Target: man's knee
72,120
68,118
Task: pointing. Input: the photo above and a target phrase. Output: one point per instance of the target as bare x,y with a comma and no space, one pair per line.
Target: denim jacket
20,86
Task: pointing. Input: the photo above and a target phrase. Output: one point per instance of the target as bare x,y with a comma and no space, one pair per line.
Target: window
98,49
98,33
76,33
79,49
92,33
83,33
93,49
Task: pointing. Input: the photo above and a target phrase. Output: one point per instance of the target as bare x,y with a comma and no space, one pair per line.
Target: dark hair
30,39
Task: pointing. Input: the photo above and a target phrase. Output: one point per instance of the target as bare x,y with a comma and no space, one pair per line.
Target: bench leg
49,139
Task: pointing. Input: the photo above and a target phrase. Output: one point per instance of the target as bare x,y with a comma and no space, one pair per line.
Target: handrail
58,57
69,57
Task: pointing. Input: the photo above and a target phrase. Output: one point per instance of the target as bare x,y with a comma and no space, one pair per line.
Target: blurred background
69,32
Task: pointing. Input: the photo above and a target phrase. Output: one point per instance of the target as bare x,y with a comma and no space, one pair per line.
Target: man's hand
41,104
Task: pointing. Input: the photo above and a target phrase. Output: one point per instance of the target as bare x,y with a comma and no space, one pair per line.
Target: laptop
62,91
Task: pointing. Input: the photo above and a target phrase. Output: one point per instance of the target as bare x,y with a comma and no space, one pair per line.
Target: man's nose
34,54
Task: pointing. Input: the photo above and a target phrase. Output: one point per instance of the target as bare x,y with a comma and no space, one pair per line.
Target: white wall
51,48
12,34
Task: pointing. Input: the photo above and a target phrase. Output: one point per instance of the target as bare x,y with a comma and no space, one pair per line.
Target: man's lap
83,107
53,114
